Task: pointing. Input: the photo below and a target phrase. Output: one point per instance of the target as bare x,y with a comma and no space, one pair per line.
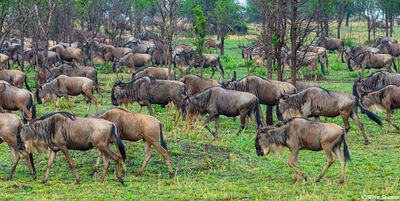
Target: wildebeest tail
162,142
322,65
278,112
341,55
120,145
32,163
27,85
355,91
220,68
59,59
32,104
345,148
349,66
19,140
394,64
370,114
257,114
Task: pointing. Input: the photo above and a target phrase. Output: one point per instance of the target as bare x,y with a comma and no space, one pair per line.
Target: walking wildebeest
137,47
331,44
300,85
52,57
67,53
9,125
195,84
13,98
111,53
305,59
15,78
355,50
219,101
265,90
63,131
147,91
64,86
131,61
157,73
210,60
381,39
299,133
388,98
368,60
321,51
373,82
316,101
135,127
212,43
387,47
72,70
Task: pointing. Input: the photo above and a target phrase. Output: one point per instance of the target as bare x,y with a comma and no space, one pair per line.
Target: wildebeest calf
297,134
13,98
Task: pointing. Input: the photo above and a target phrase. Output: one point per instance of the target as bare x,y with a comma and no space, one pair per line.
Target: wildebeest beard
124,95
375,81
291,107
373,101
198,103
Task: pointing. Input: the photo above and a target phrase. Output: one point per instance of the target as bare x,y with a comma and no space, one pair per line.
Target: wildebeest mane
200,101
108,109
48,115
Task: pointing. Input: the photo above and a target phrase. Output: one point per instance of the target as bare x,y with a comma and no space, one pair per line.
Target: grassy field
228,169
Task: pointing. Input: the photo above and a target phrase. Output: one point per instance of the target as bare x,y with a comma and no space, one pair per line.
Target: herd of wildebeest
192,97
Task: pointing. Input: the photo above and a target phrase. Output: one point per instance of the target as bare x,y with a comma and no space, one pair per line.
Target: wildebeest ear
234,76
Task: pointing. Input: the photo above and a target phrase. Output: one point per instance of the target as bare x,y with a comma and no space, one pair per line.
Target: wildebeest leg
292,159
213,72
340,156
15,156
205,125
70,163
216,120
139,108
96,166
328,153
106,161
164,154
107,66
253,119
57,103
148,105
69,104
51,159
30,164
242,123
107,153
147,157
317,119
262,115
360,125
388,116
301,74
268,113
315,72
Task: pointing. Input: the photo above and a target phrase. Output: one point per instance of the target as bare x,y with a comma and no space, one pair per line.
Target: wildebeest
216,101
305,59
147,91
331,44
195,84
131,61
316,102
181,56
111,53
15,78
53,58
387,47
297,134
13,98
157,73
267,91
368,60
380,25
14,53
9,125
212,43
355,50
137,47
373,82
388,98
380,39
209,60
64,86
67,53
300,85
3,60
63,131
135,127
72,70
321,51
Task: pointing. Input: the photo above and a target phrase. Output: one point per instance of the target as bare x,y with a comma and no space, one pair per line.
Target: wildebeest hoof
6,179
171,175
341,182
92,173
44,181
366,143
317,180
305,177
122,181
34,177
77,183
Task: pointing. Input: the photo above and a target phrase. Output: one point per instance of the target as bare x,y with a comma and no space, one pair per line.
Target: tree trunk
293,39
338,29
326,27
369,31
387,23
222,45
347,18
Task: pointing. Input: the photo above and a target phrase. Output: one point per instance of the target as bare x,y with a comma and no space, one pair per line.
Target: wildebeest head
47,90
227,83
118,94
266,143
346,56
290,105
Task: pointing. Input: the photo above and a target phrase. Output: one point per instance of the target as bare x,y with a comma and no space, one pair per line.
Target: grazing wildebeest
380,25
387,47
64,86
321,51
137,47
355,50
219,101
181,57
111,53
381,39
209,60
68,53
15,78
258,55
368,60
72,70
63,131
13,98
157,73
300,85
195,84
135,127
212,43
132,61
373,82
331,44
53,58
305,59
13,51
267,91
299,133
9,125
388,98
147,91
316,102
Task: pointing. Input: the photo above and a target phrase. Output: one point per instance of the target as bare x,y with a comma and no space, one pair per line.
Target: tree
228,14
8,18
200,32
369,10
115,23
341,6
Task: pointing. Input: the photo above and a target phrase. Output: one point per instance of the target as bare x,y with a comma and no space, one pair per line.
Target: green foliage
199,28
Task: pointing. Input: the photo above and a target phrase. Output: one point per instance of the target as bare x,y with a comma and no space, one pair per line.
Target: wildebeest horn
234,76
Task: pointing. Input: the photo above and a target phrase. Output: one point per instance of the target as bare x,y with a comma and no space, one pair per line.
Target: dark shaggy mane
108,109
48,115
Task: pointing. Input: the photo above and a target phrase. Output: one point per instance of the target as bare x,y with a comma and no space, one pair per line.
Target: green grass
227,169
